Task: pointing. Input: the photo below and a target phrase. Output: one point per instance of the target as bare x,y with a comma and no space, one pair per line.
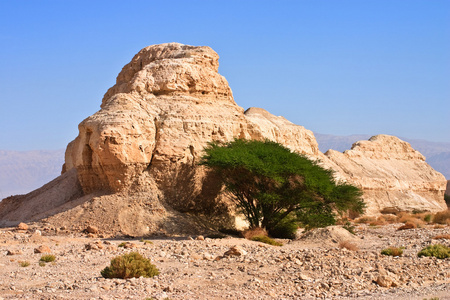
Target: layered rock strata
393,176
141,149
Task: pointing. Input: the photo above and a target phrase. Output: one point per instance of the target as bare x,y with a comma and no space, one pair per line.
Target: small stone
94,246
200,238
235,251
17,252
91,229
42,249
22,226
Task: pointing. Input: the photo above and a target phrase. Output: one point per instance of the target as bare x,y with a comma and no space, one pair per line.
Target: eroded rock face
133,167
167,104
393,176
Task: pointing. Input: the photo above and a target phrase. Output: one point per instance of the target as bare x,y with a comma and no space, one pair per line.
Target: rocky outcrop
167,104
135,160
393,176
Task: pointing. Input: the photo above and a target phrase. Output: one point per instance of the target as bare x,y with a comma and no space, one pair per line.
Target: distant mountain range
24,171
437,154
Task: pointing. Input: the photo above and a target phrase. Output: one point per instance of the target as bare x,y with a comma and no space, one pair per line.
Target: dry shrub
390,219
442,236
366,220
442,217
393,251
348,245
438,226
408,225
255,231
416,219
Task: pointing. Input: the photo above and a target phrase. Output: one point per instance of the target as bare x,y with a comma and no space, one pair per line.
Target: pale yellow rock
392,175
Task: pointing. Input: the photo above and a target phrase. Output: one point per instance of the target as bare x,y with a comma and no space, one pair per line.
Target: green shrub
130,265
24,263
437,250
427,218
350,227
48,258
41,264
266,240
122,244
393,251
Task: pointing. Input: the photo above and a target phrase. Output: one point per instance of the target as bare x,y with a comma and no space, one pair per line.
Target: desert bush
365,220
416,219
24,263
122,244
442,217
436,250
393,251
130,265
255,231
427,218
269,183
348,245
48,258
41,264
442,236
408,225
265,239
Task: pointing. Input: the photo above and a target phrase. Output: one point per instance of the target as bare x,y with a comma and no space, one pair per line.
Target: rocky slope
135,159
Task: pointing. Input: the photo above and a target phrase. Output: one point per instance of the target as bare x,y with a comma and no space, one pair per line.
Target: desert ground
313,266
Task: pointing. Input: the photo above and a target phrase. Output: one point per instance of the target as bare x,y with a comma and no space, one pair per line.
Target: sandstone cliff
135,160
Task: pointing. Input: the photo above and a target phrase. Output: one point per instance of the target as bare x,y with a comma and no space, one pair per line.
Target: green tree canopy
271,184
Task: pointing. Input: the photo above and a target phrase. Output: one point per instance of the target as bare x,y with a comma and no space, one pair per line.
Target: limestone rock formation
133,166
393,176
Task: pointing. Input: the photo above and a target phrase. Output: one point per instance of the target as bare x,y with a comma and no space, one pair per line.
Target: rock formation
393,176
135,160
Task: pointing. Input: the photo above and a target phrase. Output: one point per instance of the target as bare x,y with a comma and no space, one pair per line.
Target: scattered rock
22,226
200,238
235,251
94,246
91,229
42,249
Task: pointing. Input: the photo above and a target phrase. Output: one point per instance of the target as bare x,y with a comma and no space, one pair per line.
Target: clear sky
338,67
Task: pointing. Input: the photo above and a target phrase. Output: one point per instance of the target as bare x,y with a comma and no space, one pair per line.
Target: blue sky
336,67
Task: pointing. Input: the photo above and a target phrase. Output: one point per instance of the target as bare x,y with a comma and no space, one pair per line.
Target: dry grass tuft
348,245
255,231
408,225
393,251
442,236
442,217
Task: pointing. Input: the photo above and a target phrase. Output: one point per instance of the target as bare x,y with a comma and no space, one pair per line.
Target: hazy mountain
24,171
437,154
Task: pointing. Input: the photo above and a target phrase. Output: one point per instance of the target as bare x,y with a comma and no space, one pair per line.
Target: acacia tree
272,185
